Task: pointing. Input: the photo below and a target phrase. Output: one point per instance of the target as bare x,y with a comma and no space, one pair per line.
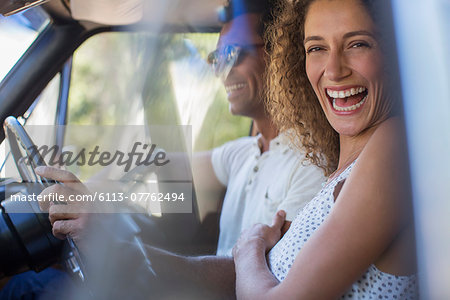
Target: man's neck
268,132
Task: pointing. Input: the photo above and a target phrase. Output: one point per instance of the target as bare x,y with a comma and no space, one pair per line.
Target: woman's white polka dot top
374,284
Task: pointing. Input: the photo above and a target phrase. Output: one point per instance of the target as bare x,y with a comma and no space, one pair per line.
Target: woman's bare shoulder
390,134
381,173
386,147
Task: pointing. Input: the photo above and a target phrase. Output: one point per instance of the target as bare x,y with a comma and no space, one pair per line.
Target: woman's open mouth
348,100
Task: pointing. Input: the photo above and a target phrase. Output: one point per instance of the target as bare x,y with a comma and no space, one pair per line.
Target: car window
423,45
153,80
17,33
41,112
140,78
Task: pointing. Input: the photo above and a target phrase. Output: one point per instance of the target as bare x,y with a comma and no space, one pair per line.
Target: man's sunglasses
222,60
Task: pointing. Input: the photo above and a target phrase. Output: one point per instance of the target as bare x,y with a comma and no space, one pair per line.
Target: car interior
77,72
64,79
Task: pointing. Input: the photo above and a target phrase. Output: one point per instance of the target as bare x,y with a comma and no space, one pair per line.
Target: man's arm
203,171
207,276
209,190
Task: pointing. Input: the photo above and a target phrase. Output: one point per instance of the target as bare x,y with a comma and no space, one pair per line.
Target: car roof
188,15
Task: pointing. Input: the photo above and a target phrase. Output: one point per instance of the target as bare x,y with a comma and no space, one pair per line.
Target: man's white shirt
258,185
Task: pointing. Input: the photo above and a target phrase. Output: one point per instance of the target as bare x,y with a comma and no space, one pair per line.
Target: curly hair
293,103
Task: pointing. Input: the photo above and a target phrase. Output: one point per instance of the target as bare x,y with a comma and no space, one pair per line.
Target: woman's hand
261,236
68,217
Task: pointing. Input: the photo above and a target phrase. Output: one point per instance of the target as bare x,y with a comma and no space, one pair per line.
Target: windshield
17,33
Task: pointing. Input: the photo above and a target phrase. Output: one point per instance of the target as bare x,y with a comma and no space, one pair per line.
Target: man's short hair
235,8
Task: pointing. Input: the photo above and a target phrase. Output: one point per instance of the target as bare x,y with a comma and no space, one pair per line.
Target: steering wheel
16,134
20,141
18,138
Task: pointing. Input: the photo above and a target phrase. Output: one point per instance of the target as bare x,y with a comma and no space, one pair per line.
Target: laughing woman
329,79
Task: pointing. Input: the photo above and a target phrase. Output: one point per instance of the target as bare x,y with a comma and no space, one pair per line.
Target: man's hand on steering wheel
67,216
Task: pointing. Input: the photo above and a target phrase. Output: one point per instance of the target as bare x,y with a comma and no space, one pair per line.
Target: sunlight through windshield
17,33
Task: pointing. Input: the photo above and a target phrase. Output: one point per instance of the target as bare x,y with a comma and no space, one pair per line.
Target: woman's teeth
234,87
345,93
349,108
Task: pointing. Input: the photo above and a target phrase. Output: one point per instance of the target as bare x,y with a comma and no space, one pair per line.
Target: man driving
261,174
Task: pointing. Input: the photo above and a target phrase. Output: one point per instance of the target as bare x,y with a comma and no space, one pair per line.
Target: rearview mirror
10,7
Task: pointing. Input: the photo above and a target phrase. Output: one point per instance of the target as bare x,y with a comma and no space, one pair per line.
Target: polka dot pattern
374,284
